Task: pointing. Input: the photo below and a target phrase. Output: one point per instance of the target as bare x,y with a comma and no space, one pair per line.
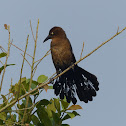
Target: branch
8,53
22,65
82,51
33,62
41,85
21,50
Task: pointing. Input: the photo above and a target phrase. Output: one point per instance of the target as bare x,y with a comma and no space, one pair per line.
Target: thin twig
4,95
41,85
18,110
21,50
22,65
9,93
23,88
33,59
47,53
11,42
32,30
22,70
6,100
8,52
26,61
41,59
50,77
2,49
82,51
117,29
1,62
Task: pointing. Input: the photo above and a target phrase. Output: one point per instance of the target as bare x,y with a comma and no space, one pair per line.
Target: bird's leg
58,71
51,80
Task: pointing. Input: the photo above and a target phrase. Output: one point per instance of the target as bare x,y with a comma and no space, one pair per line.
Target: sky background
89,21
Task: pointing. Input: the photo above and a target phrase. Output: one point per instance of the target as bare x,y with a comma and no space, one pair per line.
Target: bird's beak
48,37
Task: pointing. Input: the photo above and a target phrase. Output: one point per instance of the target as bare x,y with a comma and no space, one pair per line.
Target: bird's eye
52,33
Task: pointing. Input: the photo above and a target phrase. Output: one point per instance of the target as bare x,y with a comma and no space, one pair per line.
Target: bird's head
56,32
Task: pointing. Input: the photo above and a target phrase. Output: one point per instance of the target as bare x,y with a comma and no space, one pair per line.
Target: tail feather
76,81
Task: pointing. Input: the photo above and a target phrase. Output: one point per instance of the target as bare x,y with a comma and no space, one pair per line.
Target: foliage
3,54
42,113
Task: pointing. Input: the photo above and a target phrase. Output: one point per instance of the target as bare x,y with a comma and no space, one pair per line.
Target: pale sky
89,21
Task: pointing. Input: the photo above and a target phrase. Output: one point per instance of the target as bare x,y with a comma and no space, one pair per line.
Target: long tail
76,81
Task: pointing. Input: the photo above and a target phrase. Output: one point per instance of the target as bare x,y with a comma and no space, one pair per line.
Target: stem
8,52
22,66
33,60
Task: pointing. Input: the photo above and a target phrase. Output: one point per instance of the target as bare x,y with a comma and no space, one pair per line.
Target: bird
76,81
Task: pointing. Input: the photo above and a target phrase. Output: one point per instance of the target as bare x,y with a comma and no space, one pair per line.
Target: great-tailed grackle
76,80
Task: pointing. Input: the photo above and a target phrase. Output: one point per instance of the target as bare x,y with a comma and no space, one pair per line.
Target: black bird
76,80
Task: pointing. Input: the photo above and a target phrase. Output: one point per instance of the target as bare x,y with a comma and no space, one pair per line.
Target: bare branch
41,85
20,49
26,61
22,65
47,53
82,51
32,30
32,67
8,53
3,50
118,30
1,62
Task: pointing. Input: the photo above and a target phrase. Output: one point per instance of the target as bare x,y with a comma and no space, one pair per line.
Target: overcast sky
89,21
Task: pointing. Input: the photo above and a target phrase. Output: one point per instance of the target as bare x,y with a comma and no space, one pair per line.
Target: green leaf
42,78
42,102
27,80
1,122
5,102
75,113
3,54
22,86
56,118
14,117
1,68
29,102
50,87
26,84
15,90
35,120
43,116
3,116
9,122
50,108
22,80
57,104
21,113
31,125
66,117
71,114
64,104
34,84
4,99
8,116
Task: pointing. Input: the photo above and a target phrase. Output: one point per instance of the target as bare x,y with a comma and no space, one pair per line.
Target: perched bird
74,81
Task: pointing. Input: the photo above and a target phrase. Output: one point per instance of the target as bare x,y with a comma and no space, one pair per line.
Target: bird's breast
61,57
